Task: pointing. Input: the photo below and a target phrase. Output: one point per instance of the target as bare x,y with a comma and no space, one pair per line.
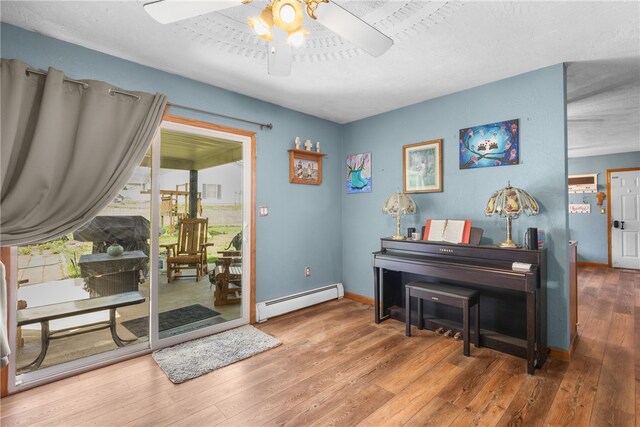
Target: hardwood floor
336,367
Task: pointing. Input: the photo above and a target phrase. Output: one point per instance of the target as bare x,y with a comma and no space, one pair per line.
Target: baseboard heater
278,306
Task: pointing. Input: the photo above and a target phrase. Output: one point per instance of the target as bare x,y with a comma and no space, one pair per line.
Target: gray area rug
191,359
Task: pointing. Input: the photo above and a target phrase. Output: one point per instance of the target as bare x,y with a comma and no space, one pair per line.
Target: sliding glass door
79,296
201,217
165,262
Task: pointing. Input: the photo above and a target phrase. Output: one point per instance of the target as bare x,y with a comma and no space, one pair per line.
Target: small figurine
308,144
318,146
297,142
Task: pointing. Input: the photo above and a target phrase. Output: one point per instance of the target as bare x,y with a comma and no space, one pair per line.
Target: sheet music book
435,229
447,230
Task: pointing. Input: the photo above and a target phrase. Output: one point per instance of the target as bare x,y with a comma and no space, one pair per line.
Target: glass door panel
101,263
200,226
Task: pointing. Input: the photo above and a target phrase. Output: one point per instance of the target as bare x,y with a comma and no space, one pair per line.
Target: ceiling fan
281,24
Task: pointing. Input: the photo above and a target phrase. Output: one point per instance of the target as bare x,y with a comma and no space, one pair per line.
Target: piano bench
449,295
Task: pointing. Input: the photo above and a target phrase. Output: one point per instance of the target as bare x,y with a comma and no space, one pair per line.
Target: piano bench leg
465,328
477,323
407,312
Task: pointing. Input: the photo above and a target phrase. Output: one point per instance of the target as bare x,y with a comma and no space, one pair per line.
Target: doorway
204,222
623,189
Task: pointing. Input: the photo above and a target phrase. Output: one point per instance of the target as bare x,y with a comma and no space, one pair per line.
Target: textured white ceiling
439,47
603,106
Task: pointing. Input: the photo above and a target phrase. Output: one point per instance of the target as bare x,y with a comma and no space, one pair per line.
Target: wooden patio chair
227,278
190,252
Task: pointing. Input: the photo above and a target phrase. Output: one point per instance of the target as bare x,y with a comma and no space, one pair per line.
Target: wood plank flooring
337,368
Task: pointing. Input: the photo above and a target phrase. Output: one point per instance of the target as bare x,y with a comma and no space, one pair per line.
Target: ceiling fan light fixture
296,37
262,24
287,14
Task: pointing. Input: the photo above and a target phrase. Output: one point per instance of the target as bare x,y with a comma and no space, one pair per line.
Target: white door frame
188,126
609,172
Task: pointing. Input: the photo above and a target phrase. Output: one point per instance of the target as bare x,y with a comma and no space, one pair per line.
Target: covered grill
105,275
131,232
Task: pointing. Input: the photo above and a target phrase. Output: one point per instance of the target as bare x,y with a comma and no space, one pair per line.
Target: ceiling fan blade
352,28
168,11
279,54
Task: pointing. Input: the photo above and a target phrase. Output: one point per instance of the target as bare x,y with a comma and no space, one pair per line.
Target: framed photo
359,173
305,167
422,167
494,144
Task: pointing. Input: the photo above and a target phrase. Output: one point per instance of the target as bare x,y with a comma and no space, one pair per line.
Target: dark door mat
171,319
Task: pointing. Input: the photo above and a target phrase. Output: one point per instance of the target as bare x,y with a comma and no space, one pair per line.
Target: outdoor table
108,275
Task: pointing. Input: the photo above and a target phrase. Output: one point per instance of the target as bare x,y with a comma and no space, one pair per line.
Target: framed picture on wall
359,177
494,144
422,167
305,167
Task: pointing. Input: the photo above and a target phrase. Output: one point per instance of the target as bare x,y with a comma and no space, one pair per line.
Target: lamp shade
287,14
398,205
296,37
511,202
262,24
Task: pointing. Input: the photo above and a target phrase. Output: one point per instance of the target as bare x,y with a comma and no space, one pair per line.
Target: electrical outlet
307,271
264,211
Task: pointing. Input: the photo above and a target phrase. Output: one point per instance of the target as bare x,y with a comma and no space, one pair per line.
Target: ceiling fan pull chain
312,6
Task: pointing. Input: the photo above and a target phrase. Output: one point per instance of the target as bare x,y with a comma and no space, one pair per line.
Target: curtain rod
84,84
170,104
184,107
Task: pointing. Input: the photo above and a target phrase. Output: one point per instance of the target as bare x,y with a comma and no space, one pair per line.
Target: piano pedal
439,331
457,336
448,333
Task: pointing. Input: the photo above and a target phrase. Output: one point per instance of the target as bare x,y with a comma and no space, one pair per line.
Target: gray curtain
66,150
5,350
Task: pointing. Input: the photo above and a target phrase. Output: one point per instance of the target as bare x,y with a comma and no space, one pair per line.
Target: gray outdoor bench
449,295
45,313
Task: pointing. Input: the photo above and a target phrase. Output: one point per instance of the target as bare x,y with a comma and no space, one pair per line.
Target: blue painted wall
304,222
333,232
590,230
538,100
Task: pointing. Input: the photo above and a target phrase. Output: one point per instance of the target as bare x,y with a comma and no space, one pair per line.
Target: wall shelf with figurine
305,166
